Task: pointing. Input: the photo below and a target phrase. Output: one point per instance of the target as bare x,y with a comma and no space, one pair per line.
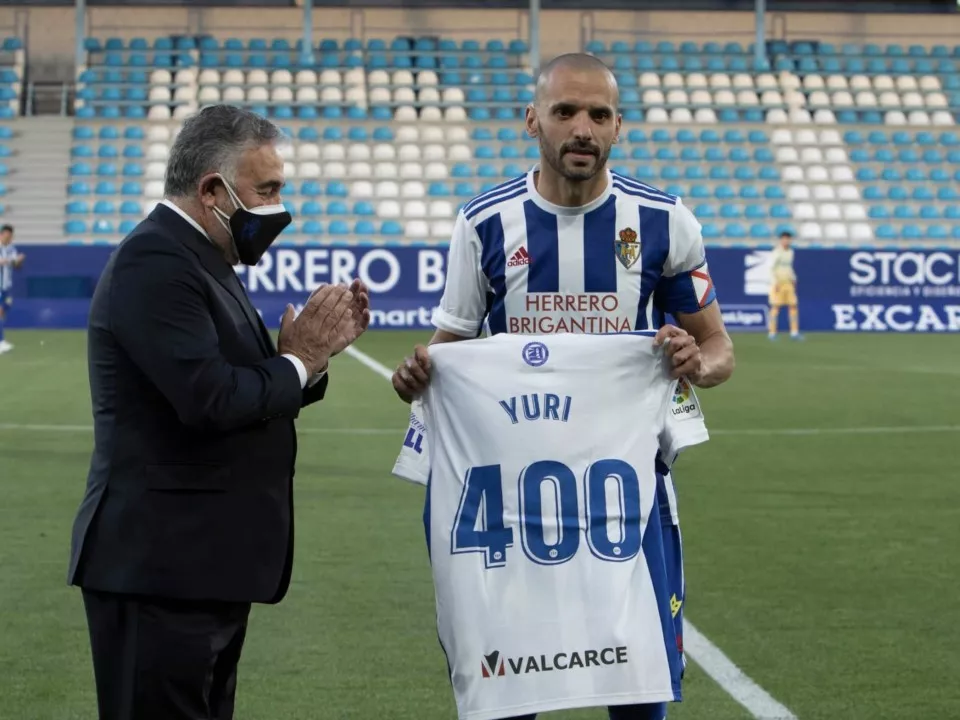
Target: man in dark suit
188,513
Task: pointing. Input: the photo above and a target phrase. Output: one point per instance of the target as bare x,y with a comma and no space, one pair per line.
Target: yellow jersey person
783,287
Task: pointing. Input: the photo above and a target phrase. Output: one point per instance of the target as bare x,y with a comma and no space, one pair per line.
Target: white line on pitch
758,702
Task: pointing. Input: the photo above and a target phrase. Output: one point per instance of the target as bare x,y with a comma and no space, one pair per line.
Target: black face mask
252,230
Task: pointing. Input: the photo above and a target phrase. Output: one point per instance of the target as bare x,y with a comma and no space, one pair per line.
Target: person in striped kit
571,246
10,260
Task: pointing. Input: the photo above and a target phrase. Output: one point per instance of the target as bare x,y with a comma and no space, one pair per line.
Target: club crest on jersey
627,247
535,354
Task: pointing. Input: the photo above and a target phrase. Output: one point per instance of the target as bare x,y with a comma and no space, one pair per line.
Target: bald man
628,252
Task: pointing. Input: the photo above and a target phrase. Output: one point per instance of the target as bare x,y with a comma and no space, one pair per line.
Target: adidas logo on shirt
520,257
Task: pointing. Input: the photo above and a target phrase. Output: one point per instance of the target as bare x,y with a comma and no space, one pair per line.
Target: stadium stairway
41,150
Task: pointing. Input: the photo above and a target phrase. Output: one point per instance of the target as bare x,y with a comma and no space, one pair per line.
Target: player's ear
532,122
619,124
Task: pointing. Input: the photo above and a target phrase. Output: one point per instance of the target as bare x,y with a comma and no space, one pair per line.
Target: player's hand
412,375
682,351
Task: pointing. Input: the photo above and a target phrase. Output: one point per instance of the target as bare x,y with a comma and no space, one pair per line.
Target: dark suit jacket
189,493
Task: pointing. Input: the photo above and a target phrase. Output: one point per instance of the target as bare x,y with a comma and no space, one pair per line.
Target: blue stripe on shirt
599,256
654,248
494,263
543,239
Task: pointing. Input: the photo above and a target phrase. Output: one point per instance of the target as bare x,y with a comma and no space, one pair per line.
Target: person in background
10,260
783,287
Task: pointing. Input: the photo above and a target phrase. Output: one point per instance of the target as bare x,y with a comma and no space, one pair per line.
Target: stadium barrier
870,290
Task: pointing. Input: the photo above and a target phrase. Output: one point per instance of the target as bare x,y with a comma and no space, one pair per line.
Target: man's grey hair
213,141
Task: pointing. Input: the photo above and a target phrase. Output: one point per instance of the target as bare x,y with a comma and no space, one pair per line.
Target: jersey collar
544,204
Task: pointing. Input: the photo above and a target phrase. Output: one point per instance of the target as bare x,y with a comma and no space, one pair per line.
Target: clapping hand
333,317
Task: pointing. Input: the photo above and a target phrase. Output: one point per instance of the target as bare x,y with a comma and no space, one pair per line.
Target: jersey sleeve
685,285
463,305
685,425
413,462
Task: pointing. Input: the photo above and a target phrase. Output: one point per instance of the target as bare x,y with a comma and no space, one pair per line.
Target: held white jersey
542,522
521,264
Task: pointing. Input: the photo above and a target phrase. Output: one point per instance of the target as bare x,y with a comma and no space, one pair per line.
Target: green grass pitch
824,563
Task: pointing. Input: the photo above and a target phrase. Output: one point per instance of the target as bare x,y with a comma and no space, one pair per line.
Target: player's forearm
716,361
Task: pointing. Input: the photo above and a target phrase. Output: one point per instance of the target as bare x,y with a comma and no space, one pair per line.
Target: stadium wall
50,31
840,290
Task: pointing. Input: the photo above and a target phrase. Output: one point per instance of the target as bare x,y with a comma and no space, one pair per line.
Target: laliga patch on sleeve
684,405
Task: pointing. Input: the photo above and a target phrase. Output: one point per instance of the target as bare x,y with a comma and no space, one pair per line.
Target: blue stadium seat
311,208
78,207
82,151
81,169
311,188
75,227
780,211
904,212
337,189
719,172
102,226
312,227
730,211
911,232
922,193
948,193
364,209
709,137
887,232
130,207
640,152
78,188
705,211
774,192
485,170
897,192
884,155
878,212
132,132
690,154
508,152
107,169
694,172
391,227
891,174
80,132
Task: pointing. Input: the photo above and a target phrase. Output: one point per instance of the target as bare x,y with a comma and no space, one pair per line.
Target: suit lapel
213,262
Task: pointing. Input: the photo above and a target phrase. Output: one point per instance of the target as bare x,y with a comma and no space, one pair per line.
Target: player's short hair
213,141
574,61
786,233
6,228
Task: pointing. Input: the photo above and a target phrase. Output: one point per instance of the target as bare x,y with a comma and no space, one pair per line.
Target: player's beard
554,158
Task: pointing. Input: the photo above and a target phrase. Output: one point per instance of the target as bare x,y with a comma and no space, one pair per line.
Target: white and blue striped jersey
521,264
8,253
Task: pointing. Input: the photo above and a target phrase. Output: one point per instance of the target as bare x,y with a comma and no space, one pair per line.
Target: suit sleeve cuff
301,368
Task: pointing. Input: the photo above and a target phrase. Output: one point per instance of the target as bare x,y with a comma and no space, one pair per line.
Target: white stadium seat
431,114
895,117
882,82
830,137
793,173
742,81
787,154
748,98
405,113
161,94
387,189
836,231
209,95
800,117
331,95
281,94
829,211
854,212
155,171
942,118
807,136
798,192
456,134
937,100
379,96
361,189
804,211
436,171
440,209
701,97
411,170
720,81
673,80
777,117
811,231
696,80
333,151
409,152
388,209
724,97
657,115
234,77
359,170
836,155
426,78
257,77
158,134
385,170
307,77
354,76
427,96
649,80
434,152
907,83
837,82
841,173
817,173
417,230
819,98
813,82
415,209
233,94
209,77
289,170
677,97
930,82
286,150
782,136
258,95
358,152
824,117
412,189
681,115
308,151
404,95
918,118
889,99
441,229
309,170
158,112
160,77
824,192
455,113
811,154
154,189
861,232
158,151
848,193
433,134
653,97
378,77
866,99
281,77
788,81
452,95
402,77
330,77
705,116
384,151
307,95
860,82
336,170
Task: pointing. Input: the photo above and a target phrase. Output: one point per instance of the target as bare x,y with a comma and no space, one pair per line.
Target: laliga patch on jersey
684,405
627,247
535,354
703,285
